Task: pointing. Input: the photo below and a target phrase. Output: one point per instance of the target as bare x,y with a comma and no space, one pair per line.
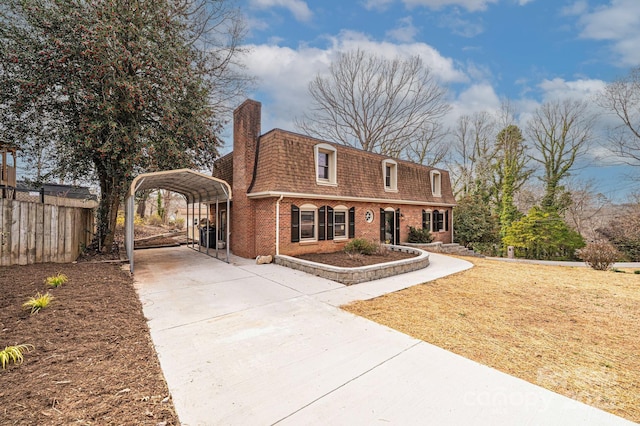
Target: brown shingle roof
286,164
223,168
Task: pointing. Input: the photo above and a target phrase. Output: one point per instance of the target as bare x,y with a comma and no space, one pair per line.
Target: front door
389,227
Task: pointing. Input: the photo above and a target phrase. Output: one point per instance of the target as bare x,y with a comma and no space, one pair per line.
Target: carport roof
195,186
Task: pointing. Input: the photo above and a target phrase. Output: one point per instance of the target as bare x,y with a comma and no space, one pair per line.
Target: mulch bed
93,362
347,260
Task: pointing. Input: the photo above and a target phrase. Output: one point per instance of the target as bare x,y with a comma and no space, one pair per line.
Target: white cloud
443,68
405,32
478,97
618,22
559,88
298,8
284,73
460,26
379,5
577,8
470,5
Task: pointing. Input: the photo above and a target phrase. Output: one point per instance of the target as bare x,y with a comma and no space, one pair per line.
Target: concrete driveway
246,344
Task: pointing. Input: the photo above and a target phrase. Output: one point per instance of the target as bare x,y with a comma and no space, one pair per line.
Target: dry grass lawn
574,331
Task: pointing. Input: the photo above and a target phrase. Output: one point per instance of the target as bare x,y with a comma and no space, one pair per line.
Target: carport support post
190,226
217,228
208,226
199,223
227,243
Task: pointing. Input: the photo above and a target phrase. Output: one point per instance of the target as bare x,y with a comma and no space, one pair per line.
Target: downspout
278,225
452,225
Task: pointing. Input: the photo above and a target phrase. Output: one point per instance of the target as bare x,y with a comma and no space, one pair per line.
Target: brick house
295,194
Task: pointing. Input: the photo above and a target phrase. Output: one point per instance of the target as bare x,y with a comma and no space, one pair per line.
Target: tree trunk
111,191
142,204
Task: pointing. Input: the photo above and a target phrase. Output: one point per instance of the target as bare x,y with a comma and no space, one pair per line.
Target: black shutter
396,238
295,224
322,223
329,223
424,219
382,228
352,222
446,220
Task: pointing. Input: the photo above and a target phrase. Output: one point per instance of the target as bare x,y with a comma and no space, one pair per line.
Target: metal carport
195,187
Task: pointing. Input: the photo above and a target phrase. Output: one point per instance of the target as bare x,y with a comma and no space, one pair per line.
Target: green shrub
56,280
487,249
419,236
543,235
362,246
637,272
38,302
155,220
599,255
13,354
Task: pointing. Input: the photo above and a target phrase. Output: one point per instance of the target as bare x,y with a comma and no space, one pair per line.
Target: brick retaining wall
360,274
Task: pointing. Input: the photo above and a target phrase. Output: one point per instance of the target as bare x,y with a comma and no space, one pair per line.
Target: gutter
272,194
278,225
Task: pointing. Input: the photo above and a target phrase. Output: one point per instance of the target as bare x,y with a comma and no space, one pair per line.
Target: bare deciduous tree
585,213
622,98
474,150
392,107
560,132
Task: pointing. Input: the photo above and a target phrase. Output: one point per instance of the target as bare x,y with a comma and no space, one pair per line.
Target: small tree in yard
475,224
543,235
599,255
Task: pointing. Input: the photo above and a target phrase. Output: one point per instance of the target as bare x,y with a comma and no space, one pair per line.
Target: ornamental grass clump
38,302
56,280
361,246
13,354
599,255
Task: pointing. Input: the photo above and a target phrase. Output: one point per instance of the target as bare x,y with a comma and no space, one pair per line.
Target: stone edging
359,274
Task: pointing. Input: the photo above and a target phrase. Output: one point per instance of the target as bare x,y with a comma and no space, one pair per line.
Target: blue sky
528,51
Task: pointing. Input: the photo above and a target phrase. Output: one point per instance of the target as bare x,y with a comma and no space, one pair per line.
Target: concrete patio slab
242,343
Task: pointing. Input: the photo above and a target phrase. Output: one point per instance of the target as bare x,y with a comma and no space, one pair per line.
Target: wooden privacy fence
37,233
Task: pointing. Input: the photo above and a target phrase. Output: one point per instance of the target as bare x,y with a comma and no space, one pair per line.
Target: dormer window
390,173
325,162
436,183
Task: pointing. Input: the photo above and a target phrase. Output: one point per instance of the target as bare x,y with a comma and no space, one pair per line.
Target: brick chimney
246,131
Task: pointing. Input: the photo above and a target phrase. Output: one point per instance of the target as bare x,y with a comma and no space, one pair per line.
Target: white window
325,162
308,222
339,222
390,173
436,183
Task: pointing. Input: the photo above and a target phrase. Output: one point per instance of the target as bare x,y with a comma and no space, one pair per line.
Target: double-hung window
339,223
440,221
325,164
304,223
436,183
390,173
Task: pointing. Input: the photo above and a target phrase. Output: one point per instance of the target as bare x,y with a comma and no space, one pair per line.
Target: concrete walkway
246,344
